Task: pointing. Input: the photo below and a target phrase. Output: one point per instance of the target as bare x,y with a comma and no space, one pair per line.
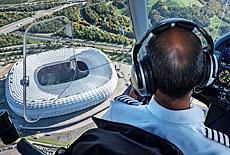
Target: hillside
202,14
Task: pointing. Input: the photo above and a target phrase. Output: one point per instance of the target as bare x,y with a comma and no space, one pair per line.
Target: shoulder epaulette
127,99
217,136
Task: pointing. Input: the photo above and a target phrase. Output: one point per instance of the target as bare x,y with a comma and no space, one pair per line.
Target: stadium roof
76,95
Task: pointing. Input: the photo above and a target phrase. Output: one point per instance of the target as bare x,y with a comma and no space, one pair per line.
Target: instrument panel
219,90
222,80
217,95
223,77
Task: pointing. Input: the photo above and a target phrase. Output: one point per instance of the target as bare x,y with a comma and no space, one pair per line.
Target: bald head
178,43
177,60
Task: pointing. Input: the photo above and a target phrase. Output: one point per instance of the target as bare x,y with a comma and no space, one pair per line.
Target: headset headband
168,23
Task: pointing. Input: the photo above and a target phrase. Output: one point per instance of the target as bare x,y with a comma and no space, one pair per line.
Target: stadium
69,80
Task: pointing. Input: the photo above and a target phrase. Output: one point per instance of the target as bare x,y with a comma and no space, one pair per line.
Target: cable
75,73
93,67
77,67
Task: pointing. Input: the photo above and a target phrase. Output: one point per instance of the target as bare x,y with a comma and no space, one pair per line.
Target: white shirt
184,128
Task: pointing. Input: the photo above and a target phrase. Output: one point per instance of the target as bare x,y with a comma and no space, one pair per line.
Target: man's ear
132,93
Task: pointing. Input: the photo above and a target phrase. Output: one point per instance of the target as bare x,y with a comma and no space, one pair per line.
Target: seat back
120,139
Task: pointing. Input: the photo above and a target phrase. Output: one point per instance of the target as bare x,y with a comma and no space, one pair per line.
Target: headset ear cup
151,86
215,66
207,70
142,78
213,69
142,74
136,78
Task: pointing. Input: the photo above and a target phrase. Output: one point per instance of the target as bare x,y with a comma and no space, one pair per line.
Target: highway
14,26
107,46
74,123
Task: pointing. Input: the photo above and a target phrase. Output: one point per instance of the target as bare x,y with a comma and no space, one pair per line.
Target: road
84,125
107,46
14,26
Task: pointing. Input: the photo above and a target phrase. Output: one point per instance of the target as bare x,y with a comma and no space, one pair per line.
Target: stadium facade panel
67,80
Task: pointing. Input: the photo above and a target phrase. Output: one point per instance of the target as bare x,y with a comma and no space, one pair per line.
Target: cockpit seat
120,139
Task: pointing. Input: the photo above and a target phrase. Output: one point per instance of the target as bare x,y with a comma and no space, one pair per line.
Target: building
57,81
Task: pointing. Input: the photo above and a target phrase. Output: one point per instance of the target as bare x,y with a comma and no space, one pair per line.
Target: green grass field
36,41
150,3
184,3
180,3
215,23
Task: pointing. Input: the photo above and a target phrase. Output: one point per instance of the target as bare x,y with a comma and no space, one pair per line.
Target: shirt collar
192,115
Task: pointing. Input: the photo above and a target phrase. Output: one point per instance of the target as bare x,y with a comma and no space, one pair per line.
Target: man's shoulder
217,136
127,100
124,103
122,109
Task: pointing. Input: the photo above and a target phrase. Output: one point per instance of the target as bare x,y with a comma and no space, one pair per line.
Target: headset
141,72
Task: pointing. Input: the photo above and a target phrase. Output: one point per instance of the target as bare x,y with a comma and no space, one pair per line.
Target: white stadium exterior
46,71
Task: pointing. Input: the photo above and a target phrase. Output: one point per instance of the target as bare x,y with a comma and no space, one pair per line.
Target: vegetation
82,29
110,18
31,7
48,27
199,11
120,4
34,41
10,55
104,15
10,40
214,24
12,16
163,9
159,11
12,1
89,33
69,12
121,56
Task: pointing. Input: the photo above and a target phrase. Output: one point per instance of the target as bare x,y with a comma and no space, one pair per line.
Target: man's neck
179,104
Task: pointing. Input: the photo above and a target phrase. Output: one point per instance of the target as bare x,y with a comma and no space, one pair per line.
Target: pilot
176,59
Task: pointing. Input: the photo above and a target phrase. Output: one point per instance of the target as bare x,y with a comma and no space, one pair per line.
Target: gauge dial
224,77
